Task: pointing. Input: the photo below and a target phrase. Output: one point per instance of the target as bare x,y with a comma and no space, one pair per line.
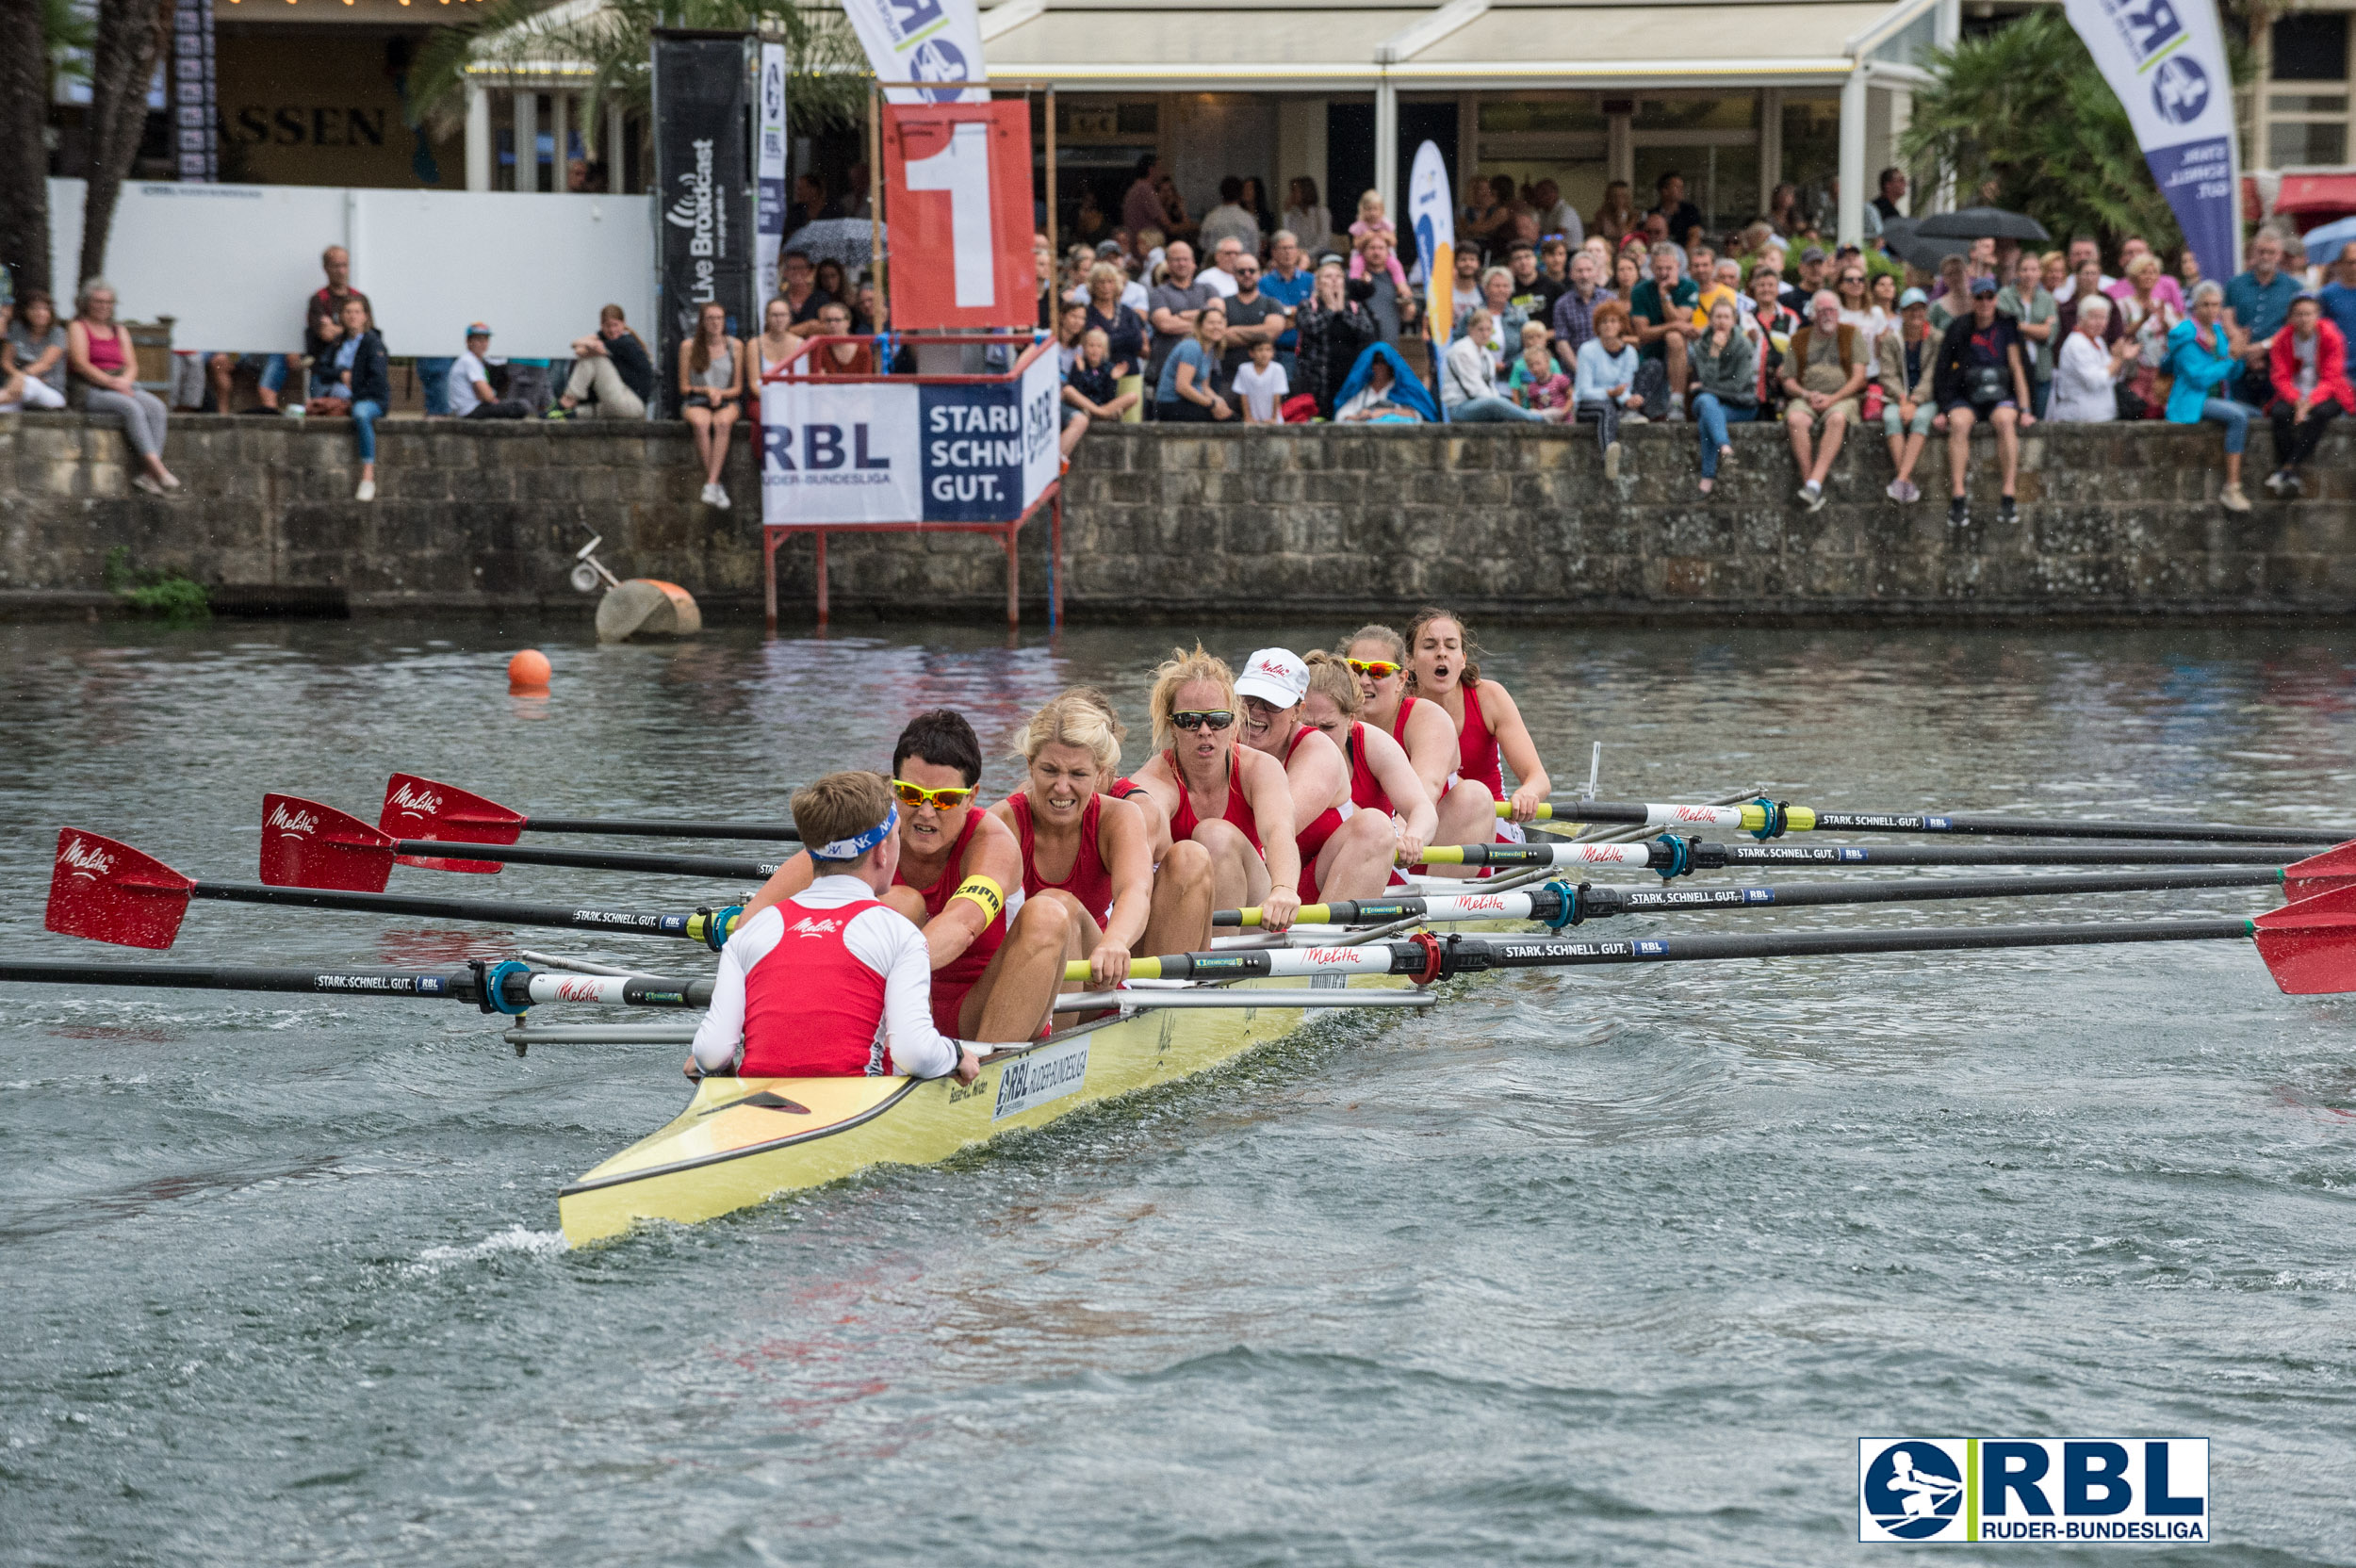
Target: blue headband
851,849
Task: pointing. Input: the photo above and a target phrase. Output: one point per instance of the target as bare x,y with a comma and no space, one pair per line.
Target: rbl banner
958,193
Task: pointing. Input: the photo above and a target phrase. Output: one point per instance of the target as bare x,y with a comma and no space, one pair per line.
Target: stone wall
1187,523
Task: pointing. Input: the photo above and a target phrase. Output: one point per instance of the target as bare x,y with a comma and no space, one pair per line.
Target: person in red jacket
2310,375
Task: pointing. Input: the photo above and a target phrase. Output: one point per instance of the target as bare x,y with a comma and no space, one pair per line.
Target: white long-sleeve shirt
2084,392
885,942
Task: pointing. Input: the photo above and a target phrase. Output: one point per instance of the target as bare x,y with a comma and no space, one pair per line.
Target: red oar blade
110,892
2311,945
305,845
2333,869
418,807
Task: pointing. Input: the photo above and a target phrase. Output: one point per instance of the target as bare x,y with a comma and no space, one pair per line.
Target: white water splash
516,1239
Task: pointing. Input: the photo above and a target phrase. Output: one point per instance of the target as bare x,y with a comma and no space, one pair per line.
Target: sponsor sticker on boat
2082,1491
1043,1075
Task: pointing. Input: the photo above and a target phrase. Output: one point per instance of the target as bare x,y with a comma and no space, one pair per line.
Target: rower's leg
1468,815
1356,860
1010,1002
1183,902
1238,876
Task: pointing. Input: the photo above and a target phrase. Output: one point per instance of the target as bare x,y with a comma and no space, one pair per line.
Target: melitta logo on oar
286,818
82,858
404,795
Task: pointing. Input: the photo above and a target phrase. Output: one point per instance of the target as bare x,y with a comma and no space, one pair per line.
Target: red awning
2310,193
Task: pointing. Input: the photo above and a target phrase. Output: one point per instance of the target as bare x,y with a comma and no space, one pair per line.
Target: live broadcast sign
895,450
958,191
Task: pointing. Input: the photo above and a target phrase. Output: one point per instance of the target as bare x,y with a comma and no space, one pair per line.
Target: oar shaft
592,859
748,831
1703,855
1802,819
518,985
691,925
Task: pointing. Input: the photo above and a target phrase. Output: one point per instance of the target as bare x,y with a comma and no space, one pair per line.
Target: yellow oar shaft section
1076,971
1546,813
1309,914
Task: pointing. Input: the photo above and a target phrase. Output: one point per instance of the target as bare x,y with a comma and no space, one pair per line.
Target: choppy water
1610,1267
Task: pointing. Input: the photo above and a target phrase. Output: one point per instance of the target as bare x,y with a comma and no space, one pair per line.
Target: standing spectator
2036,313
1770,326
1783,210
1856,306
1605,389
1531,293
612,371
1255,203
1260,384
1230,219
1251,316
1557,216
1616,219
1505,318
2086,372
1684,216
826,277
1800,299
798,288
1309,219
1575,308
1537,384
2083,249
808,205
1725,377
2149,319
2256,304
1982,256
1124,328
1952,302
1366,258
325,396
2202,356
2188,274
2310,374
1821,378
2338,297
1468,378
1043,282
1221,274
2083,287
1176,307
2133,251
1187,392
1487,222
1908,356
39,344
107,380
1093,386
1334,331
1388,300
1071,320
1554,267
1982,379
711,390
469,383
1141,207
1663,308
1174,220
1724,280
1893,192
1289,282
1088,221
366,377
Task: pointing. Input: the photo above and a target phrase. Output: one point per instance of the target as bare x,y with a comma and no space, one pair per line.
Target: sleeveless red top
1366,793
811,1008
106,353
1310,839
1184,822
1089,880
1476,747
1399,725
952,980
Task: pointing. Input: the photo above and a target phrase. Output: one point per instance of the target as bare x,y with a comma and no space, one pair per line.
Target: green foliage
71,31
166,592
2025,109
827,87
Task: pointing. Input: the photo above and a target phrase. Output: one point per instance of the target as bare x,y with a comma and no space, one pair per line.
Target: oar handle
1076,972
1544,813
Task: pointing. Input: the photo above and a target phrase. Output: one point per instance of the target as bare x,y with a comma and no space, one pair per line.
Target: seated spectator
1661,307
778,341
2131,251
38,343
469,383
1606,390
1822,378
1261,385
711,389
845,355
1188,390
1505,319
1909,357
364,379
323,394
2038,317
1390,301
1094,387
1379,390
1468,378
1230,219
1726,380
797,285
1800,297
2149,319
1252,317
1371,254
612,371
1952,302
2086,370
1616,219
1982,378
1307,218
107,380
1177,304
2309,366
1723,282
1574,307
2202,356
2257,302
1537,384
1557,218
1335,329
2338,297
1071,320
1221,274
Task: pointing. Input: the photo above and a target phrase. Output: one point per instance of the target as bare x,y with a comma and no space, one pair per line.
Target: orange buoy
528,671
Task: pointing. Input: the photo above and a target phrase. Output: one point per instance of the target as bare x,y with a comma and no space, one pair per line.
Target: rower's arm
1125,841
721,1034
995,853
1318,777
1268,792
899,952
1431,745
1519,751
1397,775
793,877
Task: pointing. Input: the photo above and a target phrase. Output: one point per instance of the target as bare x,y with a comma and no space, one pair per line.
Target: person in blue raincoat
1382,390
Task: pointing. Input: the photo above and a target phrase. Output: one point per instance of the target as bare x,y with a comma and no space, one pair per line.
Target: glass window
1554,116
2293,143
2308,103
1909,43
1736,112
2310,46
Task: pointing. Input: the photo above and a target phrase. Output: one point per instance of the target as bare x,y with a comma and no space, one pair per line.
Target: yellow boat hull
742,1141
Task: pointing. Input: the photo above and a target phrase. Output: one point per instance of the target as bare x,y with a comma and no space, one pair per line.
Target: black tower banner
703,190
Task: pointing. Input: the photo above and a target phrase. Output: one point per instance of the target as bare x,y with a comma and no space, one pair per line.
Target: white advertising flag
933,41
1431,219
2166,60
769,176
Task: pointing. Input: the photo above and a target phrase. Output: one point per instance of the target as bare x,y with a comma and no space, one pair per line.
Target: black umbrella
1982,224
1904,235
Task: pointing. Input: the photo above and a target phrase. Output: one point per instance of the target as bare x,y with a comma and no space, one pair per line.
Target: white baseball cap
1275,675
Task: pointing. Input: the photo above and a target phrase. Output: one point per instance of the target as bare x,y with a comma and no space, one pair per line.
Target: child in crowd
1372,222
1536,382
1090,385
1262,385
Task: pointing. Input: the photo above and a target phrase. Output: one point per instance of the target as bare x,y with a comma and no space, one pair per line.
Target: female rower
1235,803
1092,851
1466,811
1156,820
1443,670
1343,853
1382,782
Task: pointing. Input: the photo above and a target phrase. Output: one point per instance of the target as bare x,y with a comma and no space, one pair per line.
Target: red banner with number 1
957,201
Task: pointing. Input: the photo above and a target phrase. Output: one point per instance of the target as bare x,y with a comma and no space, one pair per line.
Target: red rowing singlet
1398,724
1183,821
1310,839
956,977
1124,787
1089,880
1476,747
811,1008
1366,793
